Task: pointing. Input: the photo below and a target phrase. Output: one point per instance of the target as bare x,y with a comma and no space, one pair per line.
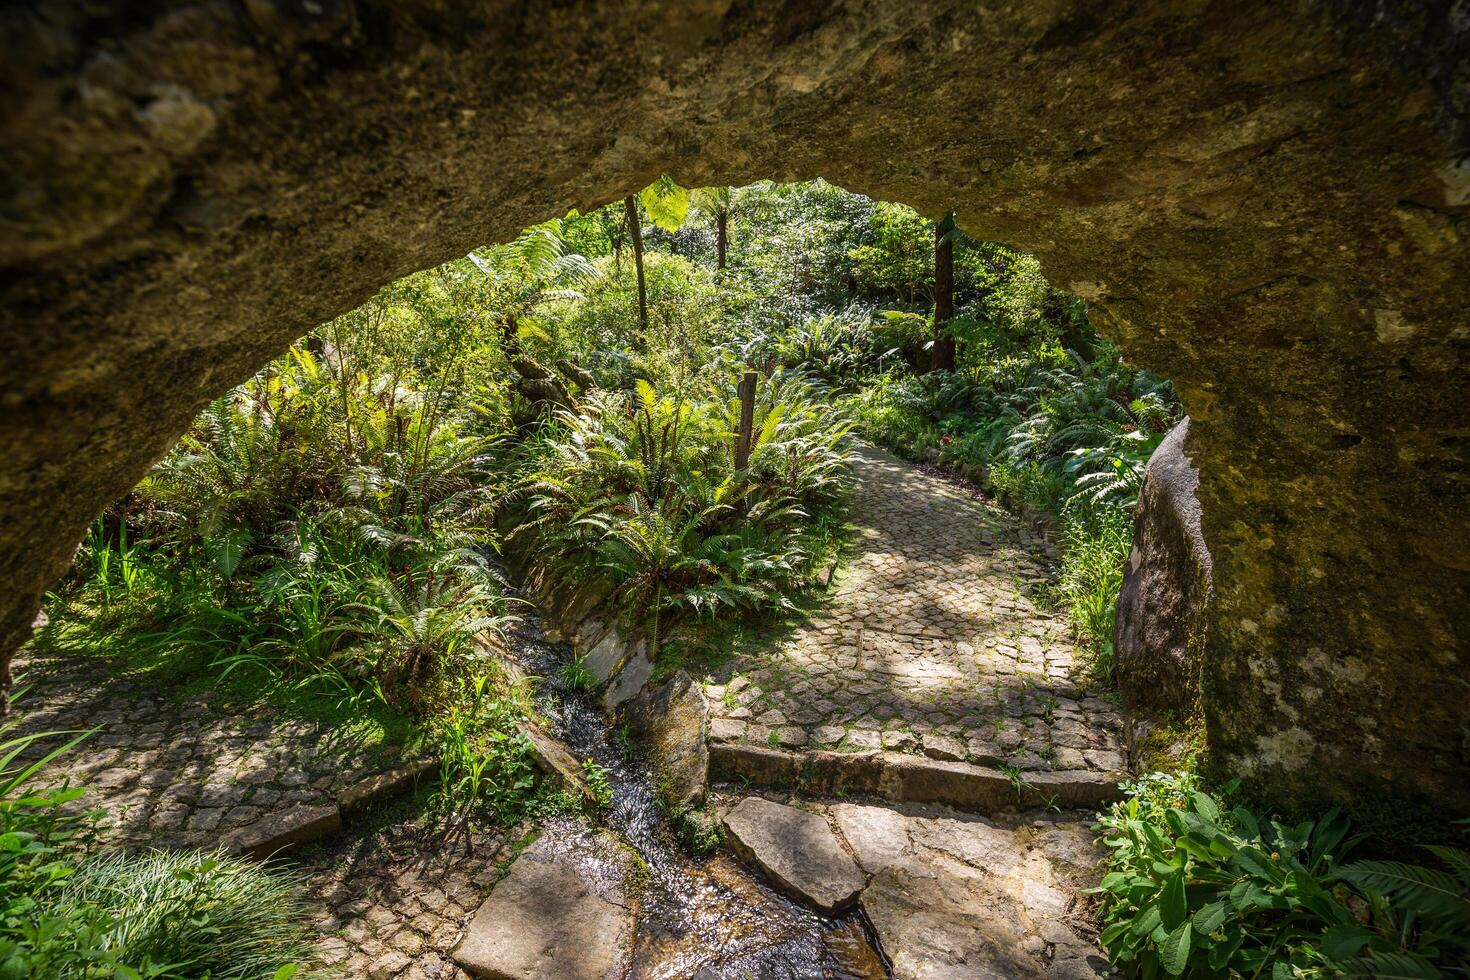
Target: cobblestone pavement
388,895
930,642
180,772
391,899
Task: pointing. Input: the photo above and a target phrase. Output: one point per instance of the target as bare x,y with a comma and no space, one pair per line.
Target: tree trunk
943,294
630,203
722,237
745,433
510,334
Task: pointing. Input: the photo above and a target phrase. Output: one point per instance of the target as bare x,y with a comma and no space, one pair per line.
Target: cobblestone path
388,897
931,642
179,772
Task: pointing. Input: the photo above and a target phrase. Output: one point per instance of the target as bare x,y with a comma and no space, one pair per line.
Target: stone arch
1267,205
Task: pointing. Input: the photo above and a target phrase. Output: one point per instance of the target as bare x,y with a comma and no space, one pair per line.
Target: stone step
902,778
946,896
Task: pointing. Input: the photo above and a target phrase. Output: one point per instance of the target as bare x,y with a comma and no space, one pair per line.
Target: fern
1435,895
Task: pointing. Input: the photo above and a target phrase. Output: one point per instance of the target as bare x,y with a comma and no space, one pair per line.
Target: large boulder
1168,588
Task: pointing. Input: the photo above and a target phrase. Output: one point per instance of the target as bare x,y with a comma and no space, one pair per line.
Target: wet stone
796,850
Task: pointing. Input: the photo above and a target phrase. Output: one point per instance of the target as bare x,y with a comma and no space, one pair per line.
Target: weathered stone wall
1164,606
1265,202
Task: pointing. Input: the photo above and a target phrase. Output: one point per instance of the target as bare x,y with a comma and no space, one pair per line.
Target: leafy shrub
322,524
642,495
486,765
1095,546
1196,890
41,840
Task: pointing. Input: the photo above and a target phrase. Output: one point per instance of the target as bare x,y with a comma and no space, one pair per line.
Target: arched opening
1266,207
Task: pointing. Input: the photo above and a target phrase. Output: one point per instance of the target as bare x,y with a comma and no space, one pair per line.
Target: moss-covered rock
1164,605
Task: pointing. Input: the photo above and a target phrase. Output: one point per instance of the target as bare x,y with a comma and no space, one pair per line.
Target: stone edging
285,830
902,778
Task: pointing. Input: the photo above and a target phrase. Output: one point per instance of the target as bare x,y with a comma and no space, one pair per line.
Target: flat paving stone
547,919
796,850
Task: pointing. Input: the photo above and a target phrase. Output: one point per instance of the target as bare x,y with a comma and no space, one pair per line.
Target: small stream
706,918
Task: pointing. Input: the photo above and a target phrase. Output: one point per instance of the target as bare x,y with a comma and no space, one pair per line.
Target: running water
703,919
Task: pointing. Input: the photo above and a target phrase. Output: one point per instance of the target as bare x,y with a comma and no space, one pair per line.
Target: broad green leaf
1146,922
1209,918
1173,907
1112,933
1343,942
1175,951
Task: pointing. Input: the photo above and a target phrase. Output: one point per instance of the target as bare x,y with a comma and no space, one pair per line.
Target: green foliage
641,493
486,766
67,911
1197,890
41,840
898,256
323,523
699,830
1095,546
598,782
666,203
200,914
575,676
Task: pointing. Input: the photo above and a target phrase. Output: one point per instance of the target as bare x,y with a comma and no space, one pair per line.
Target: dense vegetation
1195,889
336,530
69,911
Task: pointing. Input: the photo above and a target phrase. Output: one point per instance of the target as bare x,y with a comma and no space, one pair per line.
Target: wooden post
722,237
746,432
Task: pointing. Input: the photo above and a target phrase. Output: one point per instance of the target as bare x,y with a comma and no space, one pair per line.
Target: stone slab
796,850
543,920
384,786
279,832
754,764
629,679
875,834
556,761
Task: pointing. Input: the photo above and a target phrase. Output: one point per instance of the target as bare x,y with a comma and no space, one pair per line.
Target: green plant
485,761
641,494
1095,546
424,623
598,782
41,841
1017,778
193,913
1420,918
575,676
699,830
1197,890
